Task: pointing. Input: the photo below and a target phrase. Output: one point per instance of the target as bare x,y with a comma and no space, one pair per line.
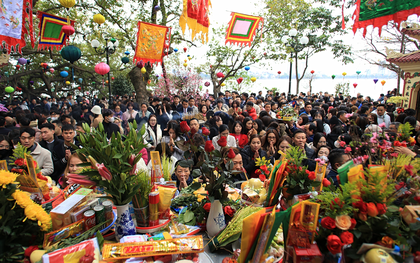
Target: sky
322,62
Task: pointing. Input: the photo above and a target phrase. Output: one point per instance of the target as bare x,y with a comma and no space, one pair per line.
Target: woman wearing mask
250,153
153,132
6,149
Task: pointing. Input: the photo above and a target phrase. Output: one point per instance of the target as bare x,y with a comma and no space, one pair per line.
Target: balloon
223,84
107,82
344,73
64,74
143,70
176,50
112,78
22,61
87,92
102,68
125,60
68,30
358,72
9,89
247,68
189,58
68,82
383,82
18,89
79,88
140,64
239,80
253,79
80,80
279,72
312,71
127,52
375,80
149,82
354,85
44,65
99,19
220,75
333,76
52,70
207,84
185,49
93,82
18,66
185,64
28,61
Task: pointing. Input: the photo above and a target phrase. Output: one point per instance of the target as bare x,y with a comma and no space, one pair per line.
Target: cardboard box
61,214
411,213
307,255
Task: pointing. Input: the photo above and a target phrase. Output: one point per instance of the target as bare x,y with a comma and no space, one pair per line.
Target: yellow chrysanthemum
7,177
44,219
22,198
31,211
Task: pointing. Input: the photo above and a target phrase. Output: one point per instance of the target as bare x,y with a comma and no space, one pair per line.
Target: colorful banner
12,25
196,15
151,42
50,34
242,29
379,12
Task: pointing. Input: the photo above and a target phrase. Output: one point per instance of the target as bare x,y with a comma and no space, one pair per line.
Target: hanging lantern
99,19
175,50
185,60
18,89
354,85
344,73
253,79
247,68
207,84
67,3
185,64
223,84
18,66
52,70
157,8
375,80
358,72
140,64
107,82
143,70
66,68
189,58
312,71
149,82
127,53
68,82
333,76
44,65
28,61
220,75
71,53
68,30
102,68
185,49
383,82
125,60
79,88
112,78
279,72
22,61
64,74
9,89
80,80
239,80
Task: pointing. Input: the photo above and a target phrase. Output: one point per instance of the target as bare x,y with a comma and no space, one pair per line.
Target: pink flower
395,155
104,172
382,125
372,150
365,157
320,161
342,144
347,150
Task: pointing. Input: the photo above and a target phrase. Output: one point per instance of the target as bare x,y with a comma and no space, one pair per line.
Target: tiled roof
413,57
412,32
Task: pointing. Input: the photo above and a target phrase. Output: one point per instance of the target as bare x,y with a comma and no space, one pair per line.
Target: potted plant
113,166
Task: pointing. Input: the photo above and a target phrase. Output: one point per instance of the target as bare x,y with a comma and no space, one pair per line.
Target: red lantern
220,75
312,71
79,88
112,78
207,84
18,66
102,68
140,64
185,49
18,89
239,80
279,72
354,85
265,54
68,30
44,65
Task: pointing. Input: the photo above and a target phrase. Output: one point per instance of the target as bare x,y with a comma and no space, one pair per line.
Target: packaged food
71,230
166,194
86,251
183,245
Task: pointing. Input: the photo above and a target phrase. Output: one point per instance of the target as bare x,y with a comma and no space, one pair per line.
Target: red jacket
253,114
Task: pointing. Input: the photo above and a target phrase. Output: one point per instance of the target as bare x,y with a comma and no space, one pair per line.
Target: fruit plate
152,229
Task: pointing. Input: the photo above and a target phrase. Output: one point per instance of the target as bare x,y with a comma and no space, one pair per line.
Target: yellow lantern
253,79
344,73
185,64
107,82
67,3
68,82
223,84
143,70
99,19
189,58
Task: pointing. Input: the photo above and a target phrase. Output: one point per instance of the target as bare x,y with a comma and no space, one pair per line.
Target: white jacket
151,134
231,142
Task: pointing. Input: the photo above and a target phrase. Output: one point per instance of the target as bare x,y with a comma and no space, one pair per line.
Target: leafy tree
121,86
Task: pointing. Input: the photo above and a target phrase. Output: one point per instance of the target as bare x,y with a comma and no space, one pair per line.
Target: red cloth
144,155
253,114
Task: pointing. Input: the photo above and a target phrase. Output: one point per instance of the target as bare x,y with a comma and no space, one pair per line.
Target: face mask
54,118
337,144
5,152
111,120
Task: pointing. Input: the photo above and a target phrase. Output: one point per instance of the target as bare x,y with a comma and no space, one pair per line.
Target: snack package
86,251
71,230
134,238
166,194
183,245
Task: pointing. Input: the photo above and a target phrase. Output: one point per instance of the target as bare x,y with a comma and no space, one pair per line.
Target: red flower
338,202
104,172
29,251
229,211
353,223
261,176
342,144
222,142
417,199
205,131
184,127
371,209
207,207
409,169
328,223
361,206
326,182
41,177
347,150
381,208
397,143
264,169
193,131
334,244
311,175
347,238
20,162
231,154
209,147
399,186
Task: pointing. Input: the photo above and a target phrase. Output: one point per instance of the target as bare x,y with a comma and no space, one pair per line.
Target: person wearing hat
97,116
109,126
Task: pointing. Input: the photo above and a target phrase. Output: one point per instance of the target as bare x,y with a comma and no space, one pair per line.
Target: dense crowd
250,123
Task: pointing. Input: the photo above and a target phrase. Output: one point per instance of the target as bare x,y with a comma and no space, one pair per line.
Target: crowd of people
48,128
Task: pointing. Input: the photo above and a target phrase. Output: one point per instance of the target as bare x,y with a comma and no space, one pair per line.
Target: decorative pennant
242,29
50,33
151,42
379,13
13,20
196,15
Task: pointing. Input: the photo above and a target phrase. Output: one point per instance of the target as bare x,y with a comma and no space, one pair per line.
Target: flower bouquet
287,113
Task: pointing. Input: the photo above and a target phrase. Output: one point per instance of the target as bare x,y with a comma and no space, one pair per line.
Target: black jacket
58,157
110,128
248,159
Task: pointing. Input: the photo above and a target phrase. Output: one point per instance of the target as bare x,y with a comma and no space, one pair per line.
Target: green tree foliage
121,86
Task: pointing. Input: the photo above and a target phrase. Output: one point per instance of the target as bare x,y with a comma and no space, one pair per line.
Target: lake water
366,87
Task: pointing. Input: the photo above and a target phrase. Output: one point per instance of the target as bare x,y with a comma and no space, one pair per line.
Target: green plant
119,157
141,198
343,88
167,166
